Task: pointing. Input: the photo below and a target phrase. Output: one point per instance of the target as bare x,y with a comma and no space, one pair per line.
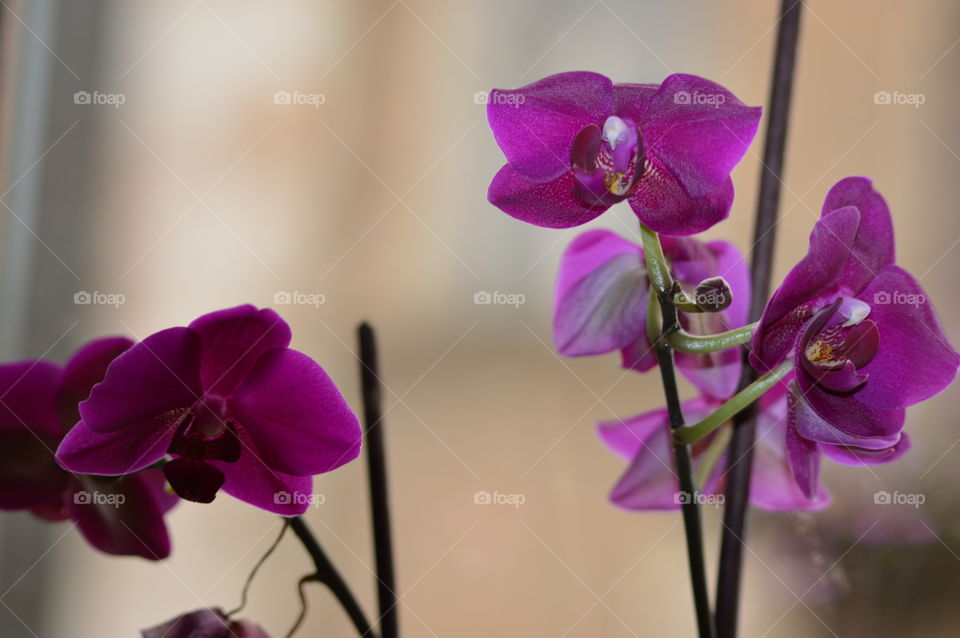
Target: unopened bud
713,295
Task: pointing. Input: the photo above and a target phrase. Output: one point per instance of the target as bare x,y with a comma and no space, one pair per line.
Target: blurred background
189,155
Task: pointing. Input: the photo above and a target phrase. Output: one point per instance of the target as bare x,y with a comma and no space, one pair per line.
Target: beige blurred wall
213,195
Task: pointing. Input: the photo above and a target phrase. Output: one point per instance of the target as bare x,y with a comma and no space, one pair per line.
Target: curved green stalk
738,402
709,459
684,302
683,341
657,268
654,318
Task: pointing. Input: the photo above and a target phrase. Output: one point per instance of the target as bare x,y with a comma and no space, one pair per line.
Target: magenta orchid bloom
577,144
650,481
205,623
38,406
862,334
601,304
229,402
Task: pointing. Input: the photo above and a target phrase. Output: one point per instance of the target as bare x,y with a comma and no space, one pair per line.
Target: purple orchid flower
863,336
229,402
38,406
602,295
577,144
205,623
650,481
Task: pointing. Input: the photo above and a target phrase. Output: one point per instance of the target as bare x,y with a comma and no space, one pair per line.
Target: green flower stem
654,319
660,321
740,401
684,302
657,269
710,457
683,341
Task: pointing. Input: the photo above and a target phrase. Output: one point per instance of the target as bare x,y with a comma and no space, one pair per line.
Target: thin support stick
744,431
377,470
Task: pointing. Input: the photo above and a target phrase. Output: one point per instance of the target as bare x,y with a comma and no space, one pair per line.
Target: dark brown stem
377,472
740,454
328,575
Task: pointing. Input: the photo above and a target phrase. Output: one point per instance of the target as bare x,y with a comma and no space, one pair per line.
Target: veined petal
252,481
842,420
233,339
602,295
639,355
650,482
205,623
914,361
626,438
773,486
804,459
296,418
29,474
661,203
29,432
813,278
587,252
27,392
116,453
551,204
126,518
699,131
86,368
154,378
535,125
872,248
631,100
859,456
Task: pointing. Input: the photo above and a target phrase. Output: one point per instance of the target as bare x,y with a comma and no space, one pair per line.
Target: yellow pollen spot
614,183
820,352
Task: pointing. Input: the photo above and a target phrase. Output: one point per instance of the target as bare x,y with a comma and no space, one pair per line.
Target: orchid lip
203,434
837,341
607,162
